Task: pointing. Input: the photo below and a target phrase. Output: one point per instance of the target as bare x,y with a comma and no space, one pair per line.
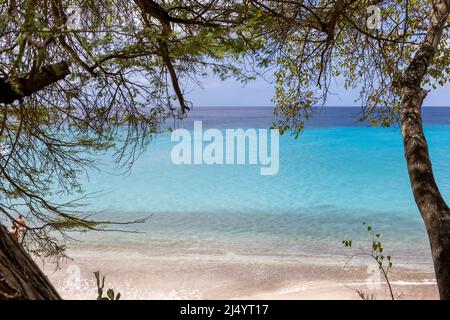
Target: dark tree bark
432,207
154,10
20,277
30,84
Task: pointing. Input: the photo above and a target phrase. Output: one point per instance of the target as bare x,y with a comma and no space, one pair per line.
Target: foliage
110,294
384,263
365,296
315,52
130,62
125,69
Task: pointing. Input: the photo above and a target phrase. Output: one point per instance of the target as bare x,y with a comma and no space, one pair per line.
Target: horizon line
262,106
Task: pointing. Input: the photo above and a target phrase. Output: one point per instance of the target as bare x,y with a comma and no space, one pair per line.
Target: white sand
139,276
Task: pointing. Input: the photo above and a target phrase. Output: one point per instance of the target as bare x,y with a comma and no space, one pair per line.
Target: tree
110,83
432,206
79,78
393,66
21,278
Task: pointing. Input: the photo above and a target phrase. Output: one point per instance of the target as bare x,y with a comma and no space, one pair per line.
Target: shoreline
138,276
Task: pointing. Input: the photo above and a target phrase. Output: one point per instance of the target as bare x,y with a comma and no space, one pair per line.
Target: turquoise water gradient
333,178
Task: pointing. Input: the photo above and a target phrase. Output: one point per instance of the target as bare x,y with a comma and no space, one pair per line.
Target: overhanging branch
11,91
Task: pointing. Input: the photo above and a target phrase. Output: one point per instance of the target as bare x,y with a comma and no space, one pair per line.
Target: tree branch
25,86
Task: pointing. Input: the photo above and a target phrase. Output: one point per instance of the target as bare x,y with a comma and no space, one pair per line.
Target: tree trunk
29,84
20,277
432,207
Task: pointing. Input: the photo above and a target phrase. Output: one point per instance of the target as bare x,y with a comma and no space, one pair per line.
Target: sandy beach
227,232
139,276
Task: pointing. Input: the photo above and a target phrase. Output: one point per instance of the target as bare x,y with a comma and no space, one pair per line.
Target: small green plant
363,295
110,295
383,262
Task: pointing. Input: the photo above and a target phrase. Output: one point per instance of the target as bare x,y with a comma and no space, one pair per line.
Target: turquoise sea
338,174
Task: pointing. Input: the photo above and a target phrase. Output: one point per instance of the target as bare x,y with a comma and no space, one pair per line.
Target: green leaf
110,294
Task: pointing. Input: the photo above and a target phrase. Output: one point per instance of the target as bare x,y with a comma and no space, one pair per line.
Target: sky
216,93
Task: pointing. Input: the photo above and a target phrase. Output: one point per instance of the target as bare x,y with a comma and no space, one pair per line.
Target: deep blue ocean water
338,174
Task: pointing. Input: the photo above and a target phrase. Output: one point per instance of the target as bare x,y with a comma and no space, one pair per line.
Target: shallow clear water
337,175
